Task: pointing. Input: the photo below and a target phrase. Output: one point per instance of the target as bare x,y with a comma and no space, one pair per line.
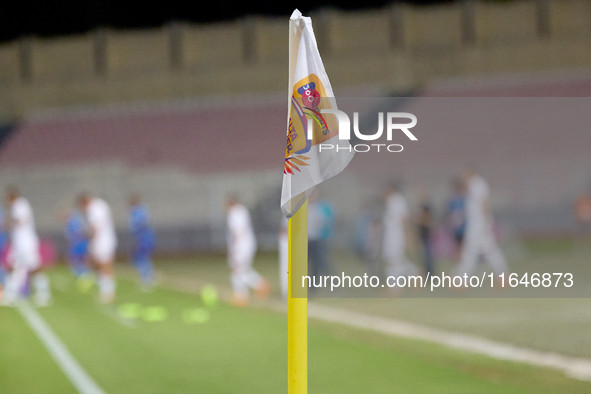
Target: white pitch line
576,368
68,364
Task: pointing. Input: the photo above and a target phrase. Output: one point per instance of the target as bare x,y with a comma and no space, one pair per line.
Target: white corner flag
314,152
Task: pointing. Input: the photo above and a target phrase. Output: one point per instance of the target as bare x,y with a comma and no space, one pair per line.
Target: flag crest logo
308,99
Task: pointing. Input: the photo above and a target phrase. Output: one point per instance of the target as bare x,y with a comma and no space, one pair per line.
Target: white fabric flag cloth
308,162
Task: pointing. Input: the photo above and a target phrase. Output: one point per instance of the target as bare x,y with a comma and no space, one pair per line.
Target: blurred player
369,237
396,234
3,245
456,213
241,250
284,256
24,255
320,229
425,220
582,214
77,235
142,234
479,238
582,211
103,243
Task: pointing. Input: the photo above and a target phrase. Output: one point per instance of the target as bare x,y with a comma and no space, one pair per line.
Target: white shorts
242,254
29,258
103,256
103,252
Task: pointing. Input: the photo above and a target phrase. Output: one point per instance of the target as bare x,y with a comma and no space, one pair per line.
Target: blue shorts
78,249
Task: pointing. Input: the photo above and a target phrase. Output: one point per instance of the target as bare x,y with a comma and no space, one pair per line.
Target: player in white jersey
242,248
479,238
103,243
396,234
24,256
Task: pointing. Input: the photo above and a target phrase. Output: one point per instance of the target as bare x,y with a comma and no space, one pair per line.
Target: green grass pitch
237,351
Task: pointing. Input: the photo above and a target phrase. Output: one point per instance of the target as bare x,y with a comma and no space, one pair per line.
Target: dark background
52,18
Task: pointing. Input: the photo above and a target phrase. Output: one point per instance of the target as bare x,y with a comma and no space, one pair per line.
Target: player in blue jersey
77,235
143,240
76,232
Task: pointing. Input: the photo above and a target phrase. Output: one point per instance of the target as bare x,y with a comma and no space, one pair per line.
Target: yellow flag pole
297,308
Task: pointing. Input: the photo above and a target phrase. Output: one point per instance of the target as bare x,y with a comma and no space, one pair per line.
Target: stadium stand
185,153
